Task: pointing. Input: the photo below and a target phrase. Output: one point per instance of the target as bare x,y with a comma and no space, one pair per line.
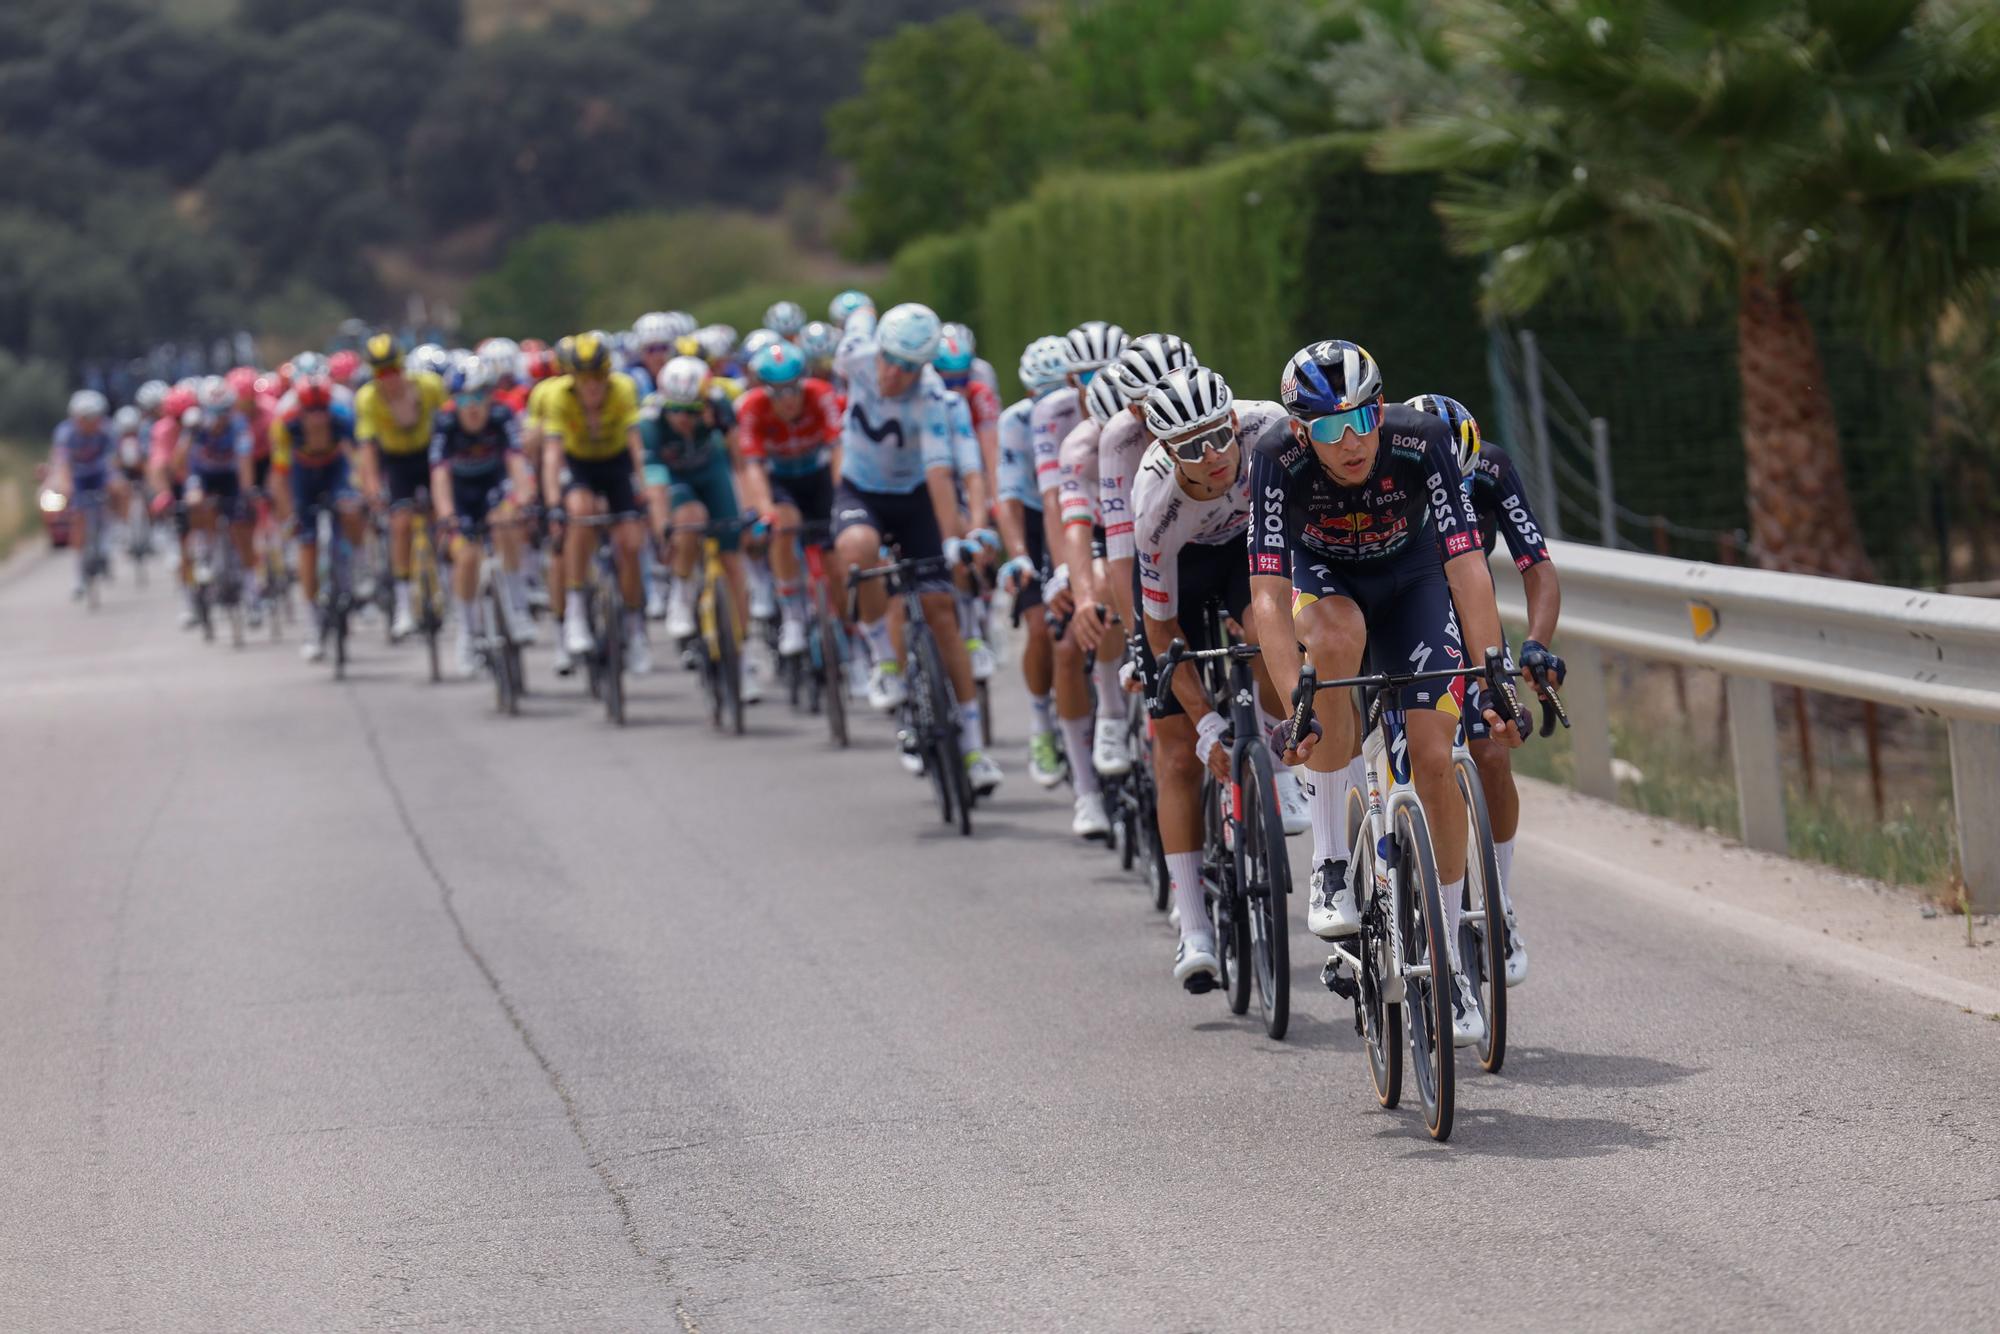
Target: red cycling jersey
985,404
794,446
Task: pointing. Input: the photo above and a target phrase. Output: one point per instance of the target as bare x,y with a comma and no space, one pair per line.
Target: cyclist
653,339
1019,514
1365,539
315,436
896,446
1500,500
1190,511
166,474
81,454
844,305
393,417
975,415
684,432
789,438
214,447
475,459
591,421
506,360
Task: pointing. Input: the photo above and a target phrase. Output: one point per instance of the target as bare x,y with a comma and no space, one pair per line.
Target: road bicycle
499,636
817,678
336,583
426,580
93,556
604,612
218,575
929,715
1132,801
718,642
1397,969
1246,873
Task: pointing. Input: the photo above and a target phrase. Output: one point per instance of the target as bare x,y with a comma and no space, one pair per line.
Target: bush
33,397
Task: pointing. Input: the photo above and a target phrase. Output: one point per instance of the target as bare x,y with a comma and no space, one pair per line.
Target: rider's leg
629,537
859,548
1334,634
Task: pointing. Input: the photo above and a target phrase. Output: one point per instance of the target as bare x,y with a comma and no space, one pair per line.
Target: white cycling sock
1326,803
876,633
468,615
1039,706
1184,869
1453,893
970,735
1076,740
1503,853
402,595
1110,695
515,582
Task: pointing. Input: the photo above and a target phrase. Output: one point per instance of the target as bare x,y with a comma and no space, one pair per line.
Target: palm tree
1659,155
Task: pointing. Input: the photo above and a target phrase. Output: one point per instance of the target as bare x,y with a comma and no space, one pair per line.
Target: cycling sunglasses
1221,439
689,408
1330,429
897,363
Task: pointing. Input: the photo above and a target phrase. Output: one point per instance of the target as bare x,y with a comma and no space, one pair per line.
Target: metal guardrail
1932,652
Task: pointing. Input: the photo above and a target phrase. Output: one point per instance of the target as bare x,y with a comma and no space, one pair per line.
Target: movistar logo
892,427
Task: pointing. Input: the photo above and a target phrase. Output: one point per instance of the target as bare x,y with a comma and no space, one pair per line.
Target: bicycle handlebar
1178,652
1498,680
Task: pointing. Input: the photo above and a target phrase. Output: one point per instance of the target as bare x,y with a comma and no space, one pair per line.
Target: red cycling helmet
177,402
314,392
541,365
343,366
532,346
269,386
242,382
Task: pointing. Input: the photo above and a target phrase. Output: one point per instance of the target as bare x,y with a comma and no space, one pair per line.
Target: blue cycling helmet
954,354
1464,428
778,363
1327,377
909,333
819,340
846,304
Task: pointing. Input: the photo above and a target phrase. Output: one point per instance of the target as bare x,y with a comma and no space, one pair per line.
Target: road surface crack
572,1111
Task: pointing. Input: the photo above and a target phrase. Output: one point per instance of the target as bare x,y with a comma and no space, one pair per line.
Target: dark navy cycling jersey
480,453
1501,502
1413,489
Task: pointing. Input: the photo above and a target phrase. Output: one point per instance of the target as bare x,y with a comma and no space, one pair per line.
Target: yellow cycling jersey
564,419
722,386
375,422
538,402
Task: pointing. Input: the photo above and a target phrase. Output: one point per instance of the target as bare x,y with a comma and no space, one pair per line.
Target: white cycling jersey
1055,415
888,444
1120,447
1076,475
1166,518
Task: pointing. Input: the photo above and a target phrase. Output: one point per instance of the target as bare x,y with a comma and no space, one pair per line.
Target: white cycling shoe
576,632
749,684
1517,952
313,650
886,690
1331,912
565,663
983,773
1195,965
1468,1025
1292,808
1109,754
680,618
791,637
1090,821
1044,759
464,659
983,662
638,653
404,625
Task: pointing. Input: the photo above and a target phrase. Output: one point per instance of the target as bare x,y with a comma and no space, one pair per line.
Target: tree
440,21
343,68
952,120
1653,155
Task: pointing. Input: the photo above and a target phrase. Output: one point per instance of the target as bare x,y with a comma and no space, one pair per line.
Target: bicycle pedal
1200,984
1335,977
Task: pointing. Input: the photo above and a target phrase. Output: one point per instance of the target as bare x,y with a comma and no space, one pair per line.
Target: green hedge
1248,259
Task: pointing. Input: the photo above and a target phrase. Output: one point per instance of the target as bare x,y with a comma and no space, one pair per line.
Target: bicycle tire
1381,1021
940,739
498,645
982,691
730,659
1264,880
833,685
1427,1001
1489,933
1226,912
611,647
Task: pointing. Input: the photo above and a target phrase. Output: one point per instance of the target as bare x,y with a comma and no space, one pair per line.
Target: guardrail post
1587,699
1547,507
1975,791
1607,503
1760,782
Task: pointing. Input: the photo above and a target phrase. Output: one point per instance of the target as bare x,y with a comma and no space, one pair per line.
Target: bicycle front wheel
1427,995
1264,881
728,658
1483,931
833,680
612,645
1381,1020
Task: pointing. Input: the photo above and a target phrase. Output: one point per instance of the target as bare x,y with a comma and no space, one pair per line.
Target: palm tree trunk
1800,516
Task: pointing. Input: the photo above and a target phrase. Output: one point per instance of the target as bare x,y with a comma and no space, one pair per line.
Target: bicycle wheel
1482,932
611,646
496,652
939,729
729,660
982,691
1380,1020
1264,877
1225,898
1427,995
833,680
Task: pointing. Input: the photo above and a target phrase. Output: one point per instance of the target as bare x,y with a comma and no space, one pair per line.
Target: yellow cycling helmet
384,353
565,354
591,355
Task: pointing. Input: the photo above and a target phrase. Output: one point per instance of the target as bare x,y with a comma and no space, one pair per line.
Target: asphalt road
354,1006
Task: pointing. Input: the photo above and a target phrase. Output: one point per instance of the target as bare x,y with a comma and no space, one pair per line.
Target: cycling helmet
778,363
151,395
909,333
846,304
1091,346
818,341
473,377
542,365
962,332
1105,398
785,318
430,357
270,386
590,355
682,381
502,356
384,354
1042,363
243,382
128,420
1187,400
315,392
680,324
1147,360
1463,425
716,341
87,403
530,346
215,396
759,339
653,329
176,403
1327,377
307,364
954,354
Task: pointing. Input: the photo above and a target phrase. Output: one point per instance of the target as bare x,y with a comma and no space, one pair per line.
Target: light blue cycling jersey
1017,456
888,444
964,440
88,454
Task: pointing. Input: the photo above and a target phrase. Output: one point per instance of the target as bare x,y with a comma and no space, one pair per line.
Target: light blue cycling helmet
778,363
954,354
909,333
818,341
1044,362
846,304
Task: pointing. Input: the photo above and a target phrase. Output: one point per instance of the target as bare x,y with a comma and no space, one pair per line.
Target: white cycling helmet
963,333
681,323
818,341
785,318
151,395
683,379
1187,400
1105,397
128,420
1149,359
429,357
214,395
909,333
1043,363
717,341
87,403
502,358
653,329
758,340
307,365
1092,345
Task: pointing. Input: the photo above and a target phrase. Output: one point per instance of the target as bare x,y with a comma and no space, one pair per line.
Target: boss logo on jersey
1447,517
1274,516
1517,514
